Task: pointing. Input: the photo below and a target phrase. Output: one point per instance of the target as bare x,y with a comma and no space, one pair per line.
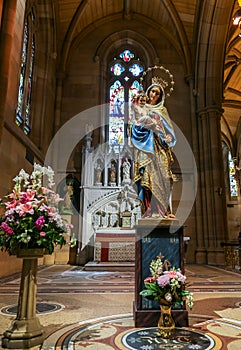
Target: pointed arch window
124,70
23,110
233,185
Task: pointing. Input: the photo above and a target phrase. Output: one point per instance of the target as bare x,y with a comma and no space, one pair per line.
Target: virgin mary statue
153,143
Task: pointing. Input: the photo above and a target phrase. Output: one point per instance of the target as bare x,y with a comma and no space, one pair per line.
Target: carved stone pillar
211,181
26,330
200,251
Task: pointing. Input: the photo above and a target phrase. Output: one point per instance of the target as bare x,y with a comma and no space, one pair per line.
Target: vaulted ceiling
186,23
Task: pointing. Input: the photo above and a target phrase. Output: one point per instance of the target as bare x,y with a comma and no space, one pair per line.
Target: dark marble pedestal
155,236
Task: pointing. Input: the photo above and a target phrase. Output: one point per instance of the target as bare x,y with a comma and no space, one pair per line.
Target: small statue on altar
112,173
67,203
98,174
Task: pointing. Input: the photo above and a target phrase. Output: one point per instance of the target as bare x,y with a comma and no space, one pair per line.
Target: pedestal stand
26,331
155,236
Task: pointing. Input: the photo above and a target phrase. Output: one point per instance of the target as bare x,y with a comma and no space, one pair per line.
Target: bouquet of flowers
30,217
166,285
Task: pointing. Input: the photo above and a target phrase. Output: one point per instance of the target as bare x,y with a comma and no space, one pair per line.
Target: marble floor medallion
149,339
41,308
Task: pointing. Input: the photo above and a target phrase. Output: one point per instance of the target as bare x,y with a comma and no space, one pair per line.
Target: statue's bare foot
156,215
171,216
147,214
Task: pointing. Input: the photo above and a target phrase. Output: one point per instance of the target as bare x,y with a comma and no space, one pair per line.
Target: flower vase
166,324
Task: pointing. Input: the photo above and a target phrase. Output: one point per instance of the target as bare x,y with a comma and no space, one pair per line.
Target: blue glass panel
136,69
29,92
22,75
127,55
116,114
117,69
232,180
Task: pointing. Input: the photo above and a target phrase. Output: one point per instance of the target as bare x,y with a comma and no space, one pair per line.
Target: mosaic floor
121,334
93,310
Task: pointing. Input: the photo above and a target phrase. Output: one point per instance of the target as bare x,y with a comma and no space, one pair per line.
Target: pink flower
149,280
45,190
163,280
69,226
42,234
13,195
25,208
181,277
24,198
6,229
40,222
172,274
30,194
10,205
27,196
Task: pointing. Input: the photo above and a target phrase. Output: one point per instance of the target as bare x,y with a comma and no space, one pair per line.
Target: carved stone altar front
109,202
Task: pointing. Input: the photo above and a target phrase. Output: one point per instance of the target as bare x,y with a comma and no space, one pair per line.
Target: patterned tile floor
99,298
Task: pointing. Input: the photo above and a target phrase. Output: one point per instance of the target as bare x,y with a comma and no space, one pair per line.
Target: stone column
200,251
26,331
211,181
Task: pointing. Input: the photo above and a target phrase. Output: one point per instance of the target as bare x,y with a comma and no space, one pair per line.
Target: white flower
22,176
50,174
37,176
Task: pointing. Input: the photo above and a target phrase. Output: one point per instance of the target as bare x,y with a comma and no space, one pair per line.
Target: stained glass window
19,119
136,69
117,69
133,91
23,110
125,71
232,177
127,55
116,114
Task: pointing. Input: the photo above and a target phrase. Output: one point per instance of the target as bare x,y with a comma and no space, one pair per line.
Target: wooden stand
155,236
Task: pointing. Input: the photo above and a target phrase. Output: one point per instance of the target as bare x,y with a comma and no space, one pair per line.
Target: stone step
109,266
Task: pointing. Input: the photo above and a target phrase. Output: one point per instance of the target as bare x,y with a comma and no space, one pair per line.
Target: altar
114,245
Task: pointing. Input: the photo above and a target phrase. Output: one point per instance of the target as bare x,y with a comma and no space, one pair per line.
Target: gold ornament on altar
166,83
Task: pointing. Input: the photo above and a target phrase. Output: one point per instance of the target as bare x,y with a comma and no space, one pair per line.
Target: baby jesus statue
143,116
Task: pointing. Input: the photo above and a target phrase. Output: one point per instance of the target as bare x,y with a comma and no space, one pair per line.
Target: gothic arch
167,23
127,39
210,49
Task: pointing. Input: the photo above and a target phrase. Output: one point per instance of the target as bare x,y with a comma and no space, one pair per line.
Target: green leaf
146,293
